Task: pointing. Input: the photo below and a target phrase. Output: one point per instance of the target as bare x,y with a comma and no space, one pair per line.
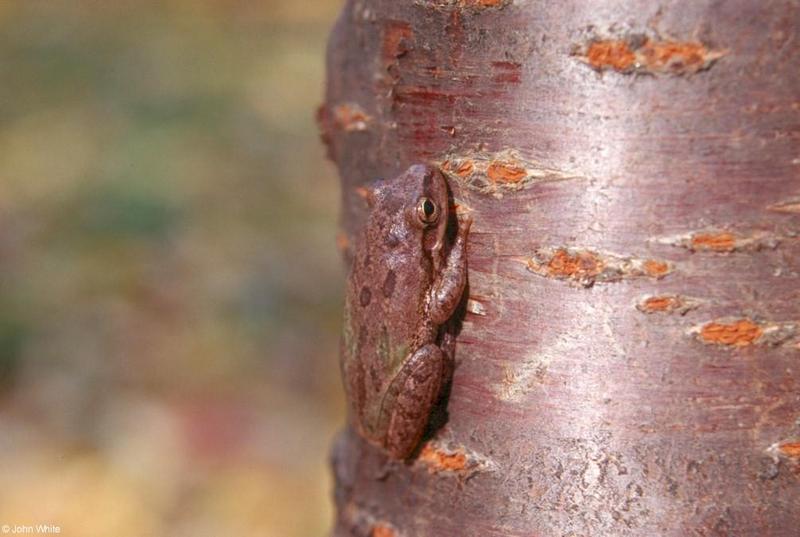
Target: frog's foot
449,286
417,387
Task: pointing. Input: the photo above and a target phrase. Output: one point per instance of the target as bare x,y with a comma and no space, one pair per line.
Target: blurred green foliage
169,285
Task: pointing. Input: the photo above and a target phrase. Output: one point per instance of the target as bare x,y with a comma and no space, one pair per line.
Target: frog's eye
427,211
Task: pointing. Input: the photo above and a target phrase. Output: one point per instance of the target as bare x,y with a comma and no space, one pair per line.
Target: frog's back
384,302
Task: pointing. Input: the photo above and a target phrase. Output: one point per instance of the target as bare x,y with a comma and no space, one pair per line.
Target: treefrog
406,280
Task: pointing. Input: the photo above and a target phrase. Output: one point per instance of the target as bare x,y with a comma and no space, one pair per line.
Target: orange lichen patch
660,304
579,265
715,242
738,333
351,117
439,460
638,54
397,36
382,530
675,57
666,304
789,449
609,54
722,241
500,172
587,267
481,3
462,168
365,194
506,171
475,5
656,269
465,168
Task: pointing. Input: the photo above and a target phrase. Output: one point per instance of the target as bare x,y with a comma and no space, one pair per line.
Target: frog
406,280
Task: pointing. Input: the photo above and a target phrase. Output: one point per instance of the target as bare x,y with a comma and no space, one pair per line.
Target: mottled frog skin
404,285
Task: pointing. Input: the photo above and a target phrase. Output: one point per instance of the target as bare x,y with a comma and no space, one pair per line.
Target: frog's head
418,198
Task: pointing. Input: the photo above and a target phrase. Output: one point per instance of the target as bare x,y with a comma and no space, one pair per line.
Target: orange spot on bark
588,267
465,168
674,56
738,333
671,57
574,266
462,168
366,194
610,54
660,303
440,461
666,304
506,171
654,268
482,3
351,117
382,530
790,449
397,37
715,242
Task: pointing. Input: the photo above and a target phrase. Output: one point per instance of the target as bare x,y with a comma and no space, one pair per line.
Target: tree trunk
629,361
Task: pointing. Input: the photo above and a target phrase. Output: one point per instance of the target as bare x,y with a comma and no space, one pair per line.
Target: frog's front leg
447,290
412,394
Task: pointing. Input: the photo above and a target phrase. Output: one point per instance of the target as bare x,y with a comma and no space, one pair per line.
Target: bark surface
629,361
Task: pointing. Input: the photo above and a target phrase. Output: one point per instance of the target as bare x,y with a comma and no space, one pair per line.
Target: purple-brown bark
629,362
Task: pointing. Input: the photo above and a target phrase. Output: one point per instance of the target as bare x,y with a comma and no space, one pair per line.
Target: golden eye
427,211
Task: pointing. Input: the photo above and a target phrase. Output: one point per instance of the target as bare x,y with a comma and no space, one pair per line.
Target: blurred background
170,290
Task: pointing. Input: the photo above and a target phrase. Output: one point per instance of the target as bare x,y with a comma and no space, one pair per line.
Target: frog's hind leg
416,388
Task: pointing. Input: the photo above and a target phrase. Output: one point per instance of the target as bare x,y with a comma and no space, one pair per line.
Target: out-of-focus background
170,290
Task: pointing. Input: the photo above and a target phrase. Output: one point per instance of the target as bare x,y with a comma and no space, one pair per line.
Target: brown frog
403,288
